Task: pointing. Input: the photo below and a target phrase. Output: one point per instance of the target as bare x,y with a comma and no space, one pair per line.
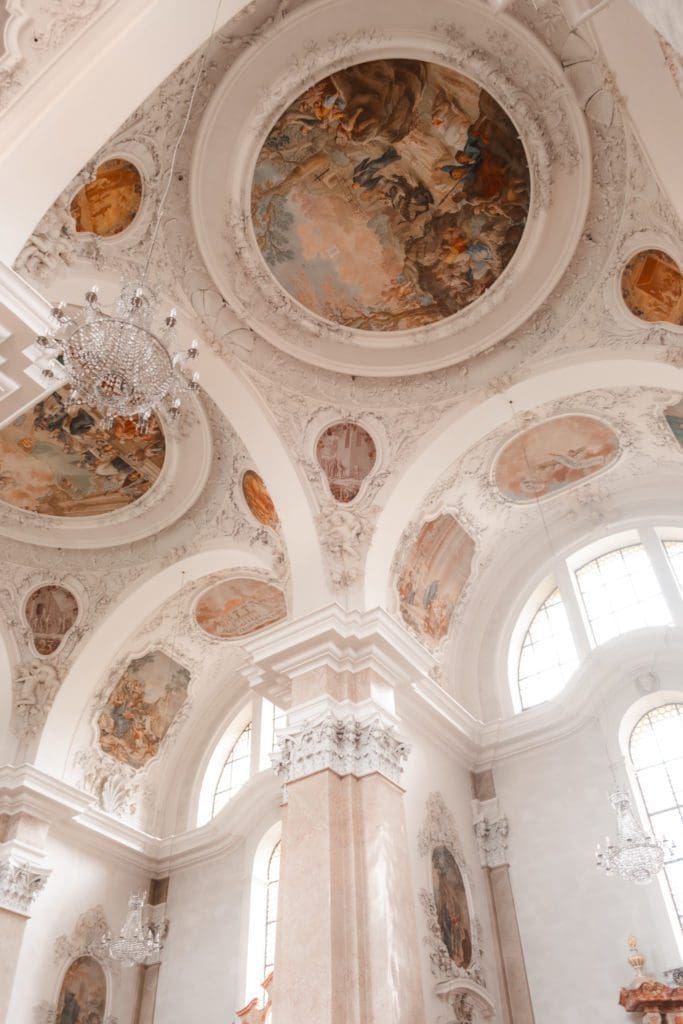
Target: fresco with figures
554,455
674,417
346,454
433,576
108,204
141,708
452,911
59,460
50,613
390,195
239,607
258,499
83,996
652,287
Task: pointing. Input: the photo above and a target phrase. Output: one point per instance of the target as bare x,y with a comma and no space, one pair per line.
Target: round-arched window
236,770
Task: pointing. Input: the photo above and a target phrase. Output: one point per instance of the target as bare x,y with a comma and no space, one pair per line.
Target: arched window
548,655
656,752
236,770
674,551
620,592
272,885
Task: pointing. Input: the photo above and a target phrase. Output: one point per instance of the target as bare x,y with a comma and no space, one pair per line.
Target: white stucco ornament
20,883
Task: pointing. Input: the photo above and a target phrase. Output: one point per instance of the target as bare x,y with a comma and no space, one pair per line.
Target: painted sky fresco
50,612
109,204
452,911
59,460
258,499
554,455
433,575
674,417
652,287
346,454
83,996
239,607
390,195
142,707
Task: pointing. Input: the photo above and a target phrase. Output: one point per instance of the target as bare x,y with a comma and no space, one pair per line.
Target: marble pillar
491,830
347,944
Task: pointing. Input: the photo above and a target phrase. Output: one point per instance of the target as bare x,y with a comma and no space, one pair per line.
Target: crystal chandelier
137,940
116,361
635,855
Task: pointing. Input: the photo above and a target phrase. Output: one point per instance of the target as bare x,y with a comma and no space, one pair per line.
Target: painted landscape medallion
142,707
59,460
390,195
554,455
346,454
239,607
652,287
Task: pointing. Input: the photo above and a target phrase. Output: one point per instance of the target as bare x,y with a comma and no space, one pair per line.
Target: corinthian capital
20,883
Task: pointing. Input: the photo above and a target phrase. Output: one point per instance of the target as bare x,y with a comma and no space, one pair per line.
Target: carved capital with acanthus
346,738
20,883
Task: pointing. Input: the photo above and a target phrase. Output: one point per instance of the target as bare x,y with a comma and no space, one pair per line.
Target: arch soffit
74,697
456,434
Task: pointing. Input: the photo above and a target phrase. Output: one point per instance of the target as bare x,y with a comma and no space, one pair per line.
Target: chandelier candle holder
138,940
636,855
117,362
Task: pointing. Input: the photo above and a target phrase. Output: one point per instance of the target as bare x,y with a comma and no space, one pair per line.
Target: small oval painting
58,459
83,996
109,204
390,195
452,911
554,455
433,575
346,454
50,612
239,607
652,287
258,499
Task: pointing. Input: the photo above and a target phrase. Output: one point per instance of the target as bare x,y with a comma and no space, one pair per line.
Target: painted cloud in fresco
59,460
390,195
652,287
434,573
142,707
239,607
554,455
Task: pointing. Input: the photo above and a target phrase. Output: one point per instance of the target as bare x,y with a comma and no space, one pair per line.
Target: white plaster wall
574,921
430,769
80,880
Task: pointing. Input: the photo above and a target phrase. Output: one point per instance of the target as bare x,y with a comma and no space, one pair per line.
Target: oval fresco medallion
59,460
390,195
140,709
452,911
83,995
554,455
652,287
258,499
346,454
50,611
239,607
109,204
432,577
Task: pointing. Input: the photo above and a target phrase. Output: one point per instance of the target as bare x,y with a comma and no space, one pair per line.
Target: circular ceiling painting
390,195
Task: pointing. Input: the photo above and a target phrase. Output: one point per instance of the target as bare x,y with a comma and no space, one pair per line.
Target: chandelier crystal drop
635,854
137,940
118,362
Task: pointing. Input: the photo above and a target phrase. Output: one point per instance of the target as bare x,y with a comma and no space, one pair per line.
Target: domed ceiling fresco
390,195
59,460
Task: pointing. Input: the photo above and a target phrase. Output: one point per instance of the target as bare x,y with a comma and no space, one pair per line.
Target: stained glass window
620,592
548,655
656,750
236,770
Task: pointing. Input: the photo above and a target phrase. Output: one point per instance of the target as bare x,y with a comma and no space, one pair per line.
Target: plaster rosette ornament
433,574
652,287
453,929
346,453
